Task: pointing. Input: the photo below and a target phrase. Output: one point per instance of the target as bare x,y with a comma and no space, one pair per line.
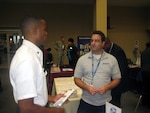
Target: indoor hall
124,33
129,99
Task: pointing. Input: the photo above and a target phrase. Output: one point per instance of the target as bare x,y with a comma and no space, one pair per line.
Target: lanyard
94,71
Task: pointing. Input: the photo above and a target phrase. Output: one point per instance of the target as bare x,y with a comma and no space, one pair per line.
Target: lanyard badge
94,71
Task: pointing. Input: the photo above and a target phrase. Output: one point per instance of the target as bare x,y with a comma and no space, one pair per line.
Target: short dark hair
27,21
99,33
49,49
71,40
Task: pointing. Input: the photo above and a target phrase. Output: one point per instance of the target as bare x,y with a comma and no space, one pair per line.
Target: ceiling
129,3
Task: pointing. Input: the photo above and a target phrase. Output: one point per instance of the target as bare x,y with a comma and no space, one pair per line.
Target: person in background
119,54
145,58
59,46
48,58
27,75
96,73
72,53
145,74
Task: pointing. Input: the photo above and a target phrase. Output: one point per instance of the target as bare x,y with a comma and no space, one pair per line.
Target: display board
84,44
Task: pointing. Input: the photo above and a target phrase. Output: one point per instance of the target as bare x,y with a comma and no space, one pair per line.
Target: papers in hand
63,99
110,108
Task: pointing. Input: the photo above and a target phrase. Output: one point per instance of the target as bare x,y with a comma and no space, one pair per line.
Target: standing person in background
119,54
72,53
48,58
145,58
145,73
59,46
27,75
93,73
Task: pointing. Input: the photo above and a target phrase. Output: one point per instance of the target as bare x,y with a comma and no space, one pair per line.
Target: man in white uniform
27,75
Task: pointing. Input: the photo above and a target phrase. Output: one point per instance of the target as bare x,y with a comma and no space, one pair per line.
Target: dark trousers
72,63
87,108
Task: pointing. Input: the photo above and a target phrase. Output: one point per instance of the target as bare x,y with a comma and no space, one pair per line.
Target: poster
84,44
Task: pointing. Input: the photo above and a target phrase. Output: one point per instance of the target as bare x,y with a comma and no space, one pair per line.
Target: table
56,72
62,84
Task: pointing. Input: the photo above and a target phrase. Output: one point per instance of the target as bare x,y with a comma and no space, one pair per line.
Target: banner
84,44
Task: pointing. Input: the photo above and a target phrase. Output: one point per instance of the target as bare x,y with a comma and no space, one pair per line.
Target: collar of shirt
35,48
90,55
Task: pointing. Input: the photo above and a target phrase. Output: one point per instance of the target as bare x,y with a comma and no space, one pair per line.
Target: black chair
145,90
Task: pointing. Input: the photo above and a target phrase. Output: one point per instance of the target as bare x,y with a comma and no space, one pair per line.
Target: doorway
10,41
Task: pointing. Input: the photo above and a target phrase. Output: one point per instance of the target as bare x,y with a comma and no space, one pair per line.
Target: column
101,16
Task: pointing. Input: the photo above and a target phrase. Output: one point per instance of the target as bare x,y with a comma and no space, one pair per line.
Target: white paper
110,108
63,99
67,69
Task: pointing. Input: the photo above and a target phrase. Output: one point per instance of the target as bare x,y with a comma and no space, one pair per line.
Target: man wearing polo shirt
96,72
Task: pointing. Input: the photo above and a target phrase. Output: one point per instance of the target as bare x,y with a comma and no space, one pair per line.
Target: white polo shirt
27,76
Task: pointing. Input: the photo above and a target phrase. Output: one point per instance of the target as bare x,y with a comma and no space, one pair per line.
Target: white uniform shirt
27,76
